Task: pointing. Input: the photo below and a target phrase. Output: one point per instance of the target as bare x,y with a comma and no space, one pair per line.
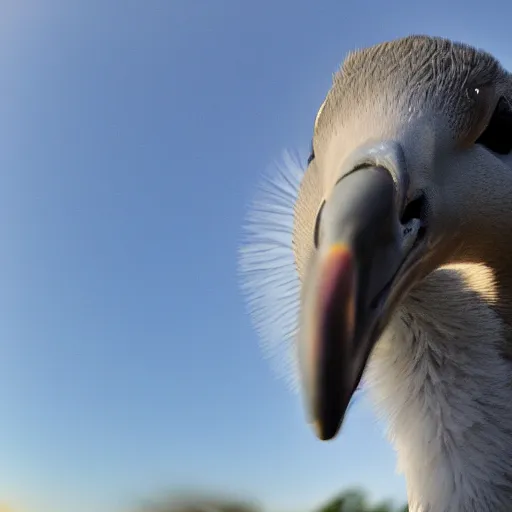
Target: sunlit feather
268,274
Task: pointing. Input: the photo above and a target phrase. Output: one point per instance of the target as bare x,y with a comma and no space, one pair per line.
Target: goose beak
348,292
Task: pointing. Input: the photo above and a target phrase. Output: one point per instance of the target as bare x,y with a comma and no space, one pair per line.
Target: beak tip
323,433
327,354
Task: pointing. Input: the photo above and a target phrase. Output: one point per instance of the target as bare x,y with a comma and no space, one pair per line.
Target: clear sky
132,134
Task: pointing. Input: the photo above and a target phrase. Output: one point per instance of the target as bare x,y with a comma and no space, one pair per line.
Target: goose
388,261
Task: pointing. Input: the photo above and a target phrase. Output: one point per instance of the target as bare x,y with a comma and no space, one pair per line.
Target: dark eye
480,101
473,93
316,238
497,135
311,156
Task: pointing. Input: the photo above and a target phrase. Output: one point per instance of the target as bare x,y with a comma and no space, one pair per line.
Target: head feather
267,269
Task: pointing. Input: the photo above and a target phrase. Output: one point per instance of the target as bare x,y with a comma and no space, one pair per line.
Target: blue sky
132,135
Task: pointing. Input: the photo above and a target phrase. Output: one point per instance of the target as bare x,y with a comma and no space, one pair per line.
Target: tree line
353,500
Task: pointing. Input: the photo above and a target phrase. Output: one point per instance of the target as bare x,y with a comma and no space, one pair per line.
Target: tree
199,503
355,500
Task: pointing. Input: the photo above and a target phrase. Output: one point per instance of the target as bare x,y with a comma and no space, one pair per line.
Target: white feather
268,275
438,376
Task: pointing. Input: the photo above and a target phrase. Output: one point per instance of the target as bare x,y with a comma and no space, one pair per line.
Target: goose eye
480,101
497,135
316,235
473,93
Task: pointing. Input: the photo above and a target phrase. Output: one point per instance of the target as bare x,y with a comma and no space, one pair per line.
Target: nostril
415,209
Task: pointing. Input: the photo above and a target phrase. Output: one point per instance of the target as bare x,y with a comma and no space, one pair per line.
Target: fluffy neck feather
441,379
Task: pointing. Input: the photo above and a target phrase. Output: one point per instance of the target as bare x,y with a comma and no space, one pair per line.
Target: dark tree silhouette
355,500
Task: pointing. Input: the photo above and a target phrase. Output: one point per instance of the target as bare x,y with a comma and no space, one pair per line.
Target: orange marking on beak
337,282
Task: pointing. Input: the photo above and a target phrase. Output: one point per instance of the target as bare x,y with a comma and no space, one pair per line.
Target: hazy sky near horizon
132,135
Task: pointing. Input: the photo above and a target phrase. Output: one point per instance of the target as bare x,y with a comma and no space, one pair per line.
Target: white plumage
391,254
